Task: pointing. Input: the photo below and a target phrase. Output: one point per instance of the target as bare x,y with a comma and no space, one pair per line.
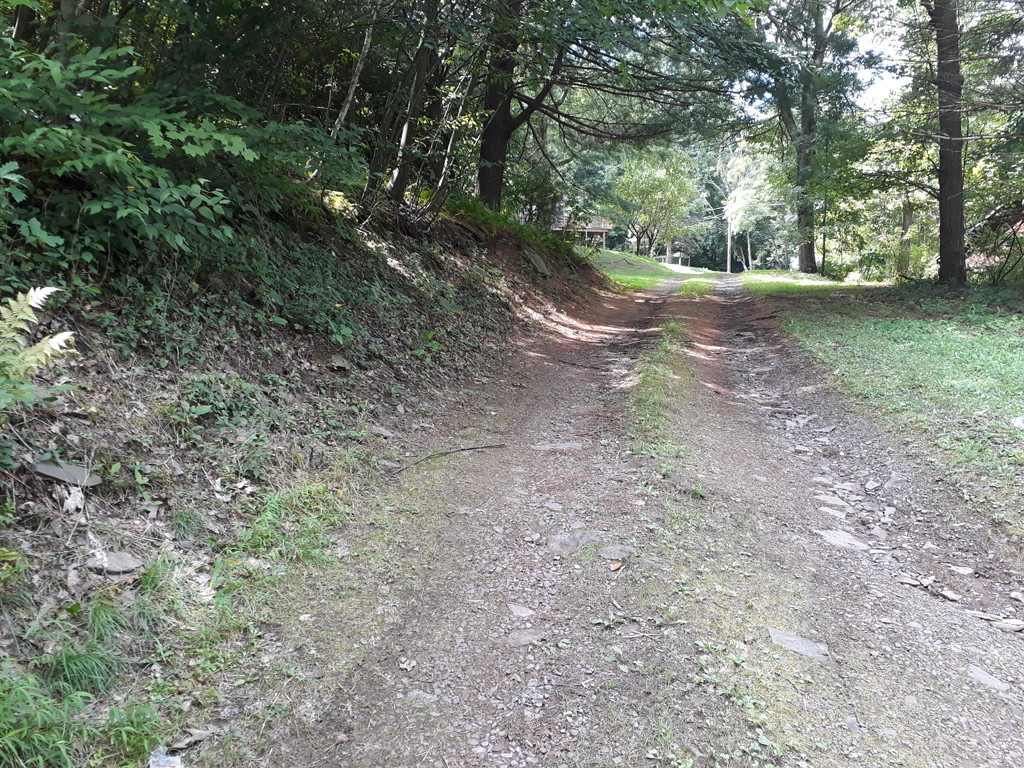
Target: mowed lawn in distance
946,363
639,273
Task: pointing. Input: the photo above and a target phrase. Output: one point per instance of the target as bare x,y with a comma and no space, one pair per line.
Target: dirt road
781,587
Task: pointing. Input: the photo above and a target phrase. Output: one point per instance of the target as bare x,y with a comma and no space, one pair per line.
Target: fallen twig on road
446,453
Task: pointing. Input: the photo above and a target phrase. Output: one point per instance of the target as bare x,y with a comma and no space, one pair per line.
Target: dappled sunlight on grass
635,273
777,282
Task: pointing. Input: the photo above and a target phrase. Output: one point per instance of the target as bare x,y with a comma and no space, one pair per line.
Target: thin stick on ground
446,453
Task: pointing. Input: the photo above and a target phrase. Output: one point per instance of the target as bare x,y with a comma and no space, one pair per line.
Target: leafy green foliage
36,730
134,730
91,170
18,360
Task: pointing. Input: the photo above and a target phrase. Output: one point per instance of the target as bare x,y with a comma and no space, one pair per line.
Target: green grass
35,729
637,273
293,525
72,670
650,396
947,364
778,283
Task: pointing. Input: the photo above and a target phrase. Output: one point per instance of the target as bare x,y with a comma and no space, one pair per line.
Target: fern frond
19,362
37,296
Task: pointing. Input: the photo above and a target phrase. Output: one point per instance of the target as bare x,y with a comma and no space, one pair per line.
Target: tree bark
499,93
728,246
24,23
903,258
942,14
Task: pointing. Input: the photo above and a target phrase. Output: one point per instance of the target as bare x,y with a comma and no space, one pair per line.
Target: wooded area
134,131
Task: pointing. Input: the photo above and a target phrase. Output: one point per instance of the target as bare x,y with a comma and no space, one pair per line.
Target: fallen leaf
616,565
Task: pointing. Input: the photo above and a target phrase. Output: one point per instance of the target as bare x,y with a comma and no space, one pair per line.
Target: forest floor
685,552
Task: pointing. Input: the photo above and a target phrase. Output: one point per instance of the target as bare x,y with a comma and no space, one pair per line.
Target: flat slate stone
525,637
520,610
843,539
538,263
568,446
983,677
113,562
616,552
801,645
72,474
567,543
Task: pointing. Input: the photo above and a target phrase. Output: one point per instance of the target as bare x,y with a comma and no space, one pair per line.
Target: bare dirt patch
758,596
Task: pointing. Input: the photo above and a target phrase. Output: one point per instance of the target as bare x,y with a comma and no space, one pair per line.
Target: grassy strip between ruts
945,363
638,273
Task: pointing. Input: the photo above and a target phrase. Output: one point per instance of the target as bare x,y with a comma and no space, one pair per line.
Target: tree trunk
497,104
24,23
728,246
903,258
824,218
952,256
750,253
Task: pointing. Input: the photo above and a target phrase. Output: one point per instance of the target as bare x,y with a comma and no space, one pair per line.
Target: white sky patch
880,84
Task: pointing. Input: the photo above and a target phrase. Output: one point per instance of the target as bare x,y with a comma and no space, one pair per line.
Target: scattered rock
113,563
832,501
801,645
852,725
1018,596
1009,625
520,610
979,674
568,446
537,262
879,533
380,431
950,595
843,539
984,616
908,580
524,637
566,544
894,481
72,474
760,478
834,512
1018,422
339,362
963,570
420,698
870,485
825,430
616,552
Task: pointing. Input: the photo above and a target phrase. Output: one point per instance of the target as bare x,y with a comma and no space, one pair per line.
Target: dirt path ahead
766,593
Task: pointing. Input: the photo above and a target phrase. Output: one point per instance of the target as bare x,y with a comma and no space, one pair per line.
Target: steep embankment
210,439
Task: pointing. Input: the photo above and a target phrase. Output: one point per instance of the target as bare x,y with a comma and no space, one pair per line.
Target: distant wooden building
593,231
